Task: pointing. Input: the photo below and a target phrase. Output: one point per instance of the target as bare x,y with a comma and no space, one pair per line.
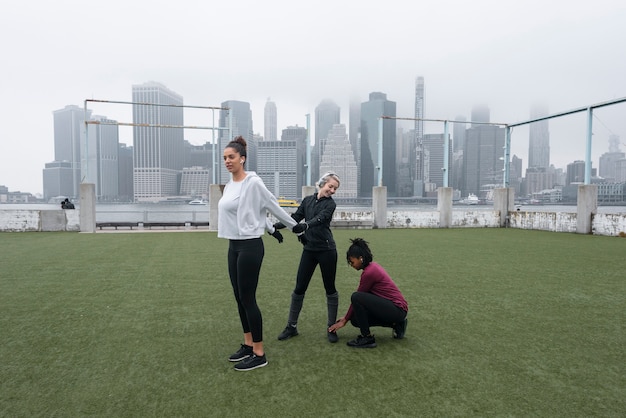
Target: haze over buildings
504,55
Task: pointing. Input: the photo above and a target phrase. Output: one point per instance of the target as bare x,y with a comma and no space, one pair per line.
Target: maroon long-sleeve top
375,280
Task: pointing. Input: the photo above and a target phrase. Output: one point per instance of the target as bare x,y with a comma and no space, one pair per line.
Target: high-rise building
327,113
405,160
607,168
125,173
539,138
281,163
158,151
483,161
195,182
69,124
575,172
241,124
419,136
270,125
339,158
458,133
539,179
434,144
58,180
354,133
515,174
198,155
371,112
100,158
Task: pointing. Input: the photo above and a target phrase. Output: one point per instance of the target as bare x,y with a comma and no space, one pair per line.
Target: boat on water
199,202
471,199
287,203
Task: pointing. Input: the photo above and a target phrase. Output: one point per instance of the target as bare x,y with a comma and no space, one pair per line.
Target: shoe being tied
251,363
399,329
243,353
363,342
288,332
332,336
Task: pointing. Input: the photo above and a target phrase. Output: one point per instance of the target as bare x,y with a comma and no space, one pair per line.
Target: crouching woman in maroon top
377,301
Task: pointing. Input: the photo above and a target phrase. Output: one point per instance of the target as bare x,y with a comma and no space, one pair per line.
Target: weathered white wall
20,220
543,221
608,224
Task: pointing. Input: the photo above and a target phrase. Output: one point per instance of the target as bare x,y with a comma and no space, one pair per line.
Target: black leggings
328,266
370,311
244,264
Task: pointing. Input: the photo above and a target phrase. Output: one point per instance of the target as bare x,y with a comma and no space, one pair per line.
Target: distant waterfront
150,212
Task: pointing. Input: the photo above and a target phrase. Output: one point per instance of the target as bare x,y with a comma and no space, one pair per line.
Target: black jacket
317,214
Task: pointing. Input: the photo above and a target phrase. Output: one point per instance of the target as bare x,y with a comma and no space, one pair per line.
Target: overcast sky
504,54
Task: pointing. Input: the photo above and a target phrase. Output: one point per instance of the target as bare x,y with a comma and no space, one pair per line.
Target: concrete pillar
307,191
379,206
215,194
504,201
586,207
444,206
88,207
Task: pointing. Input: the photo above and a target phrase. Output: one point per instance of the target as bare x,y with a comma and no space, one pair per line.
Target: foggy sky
506,55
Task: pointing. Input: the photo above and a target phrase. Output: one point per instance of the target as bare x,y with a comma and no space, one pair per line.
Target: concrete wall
543,221
39,220
601,224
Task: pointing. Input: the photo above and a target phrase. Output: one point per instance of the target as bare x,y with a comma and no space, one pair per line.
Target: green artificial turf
502,322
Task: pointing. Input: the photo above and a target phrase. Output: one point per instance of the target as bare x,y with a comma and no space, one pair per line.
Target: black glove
300,228
277,235
303,239
279,225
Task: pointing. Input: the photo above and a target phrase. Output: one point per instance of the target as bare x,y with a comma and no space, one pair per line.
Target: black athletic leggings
327,261
369,310
244,264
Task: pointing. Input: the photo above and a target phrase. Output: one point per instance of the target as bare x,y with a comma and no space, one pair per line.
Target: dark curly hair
360,249
240,145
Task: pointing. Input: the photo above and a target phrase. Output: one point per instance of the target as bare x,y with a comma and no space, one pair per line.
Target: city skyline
507,56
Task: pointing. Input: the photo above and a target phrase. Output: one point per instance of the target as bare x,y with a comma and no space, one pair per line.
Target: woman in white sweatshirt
242,219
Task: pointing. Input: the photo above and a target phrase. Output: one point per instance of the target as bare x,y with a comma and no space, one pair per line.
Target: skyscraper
158,151
419,136
458,133
339,158
539,138
270,125
434,144
100,158
281,163
608,160
483,160
327,113
371,112
69,123
241,123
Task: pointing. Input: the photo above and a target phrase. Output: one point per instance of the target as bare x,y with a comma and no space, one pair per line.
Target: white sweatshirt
242,211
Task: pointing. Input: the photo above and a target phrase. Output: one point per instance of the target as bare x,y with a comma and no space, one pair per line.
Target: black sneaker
288,332
332,336
399,329
243,353
251,363
363,342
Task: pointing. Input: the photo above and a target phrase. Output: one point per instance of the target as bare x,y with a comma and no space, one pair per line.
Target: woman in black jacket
319,248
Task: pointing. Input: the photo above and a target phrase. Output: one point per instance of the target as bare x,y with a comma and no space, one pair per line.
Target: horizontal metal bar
156,104
570,112
445,120
150,125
